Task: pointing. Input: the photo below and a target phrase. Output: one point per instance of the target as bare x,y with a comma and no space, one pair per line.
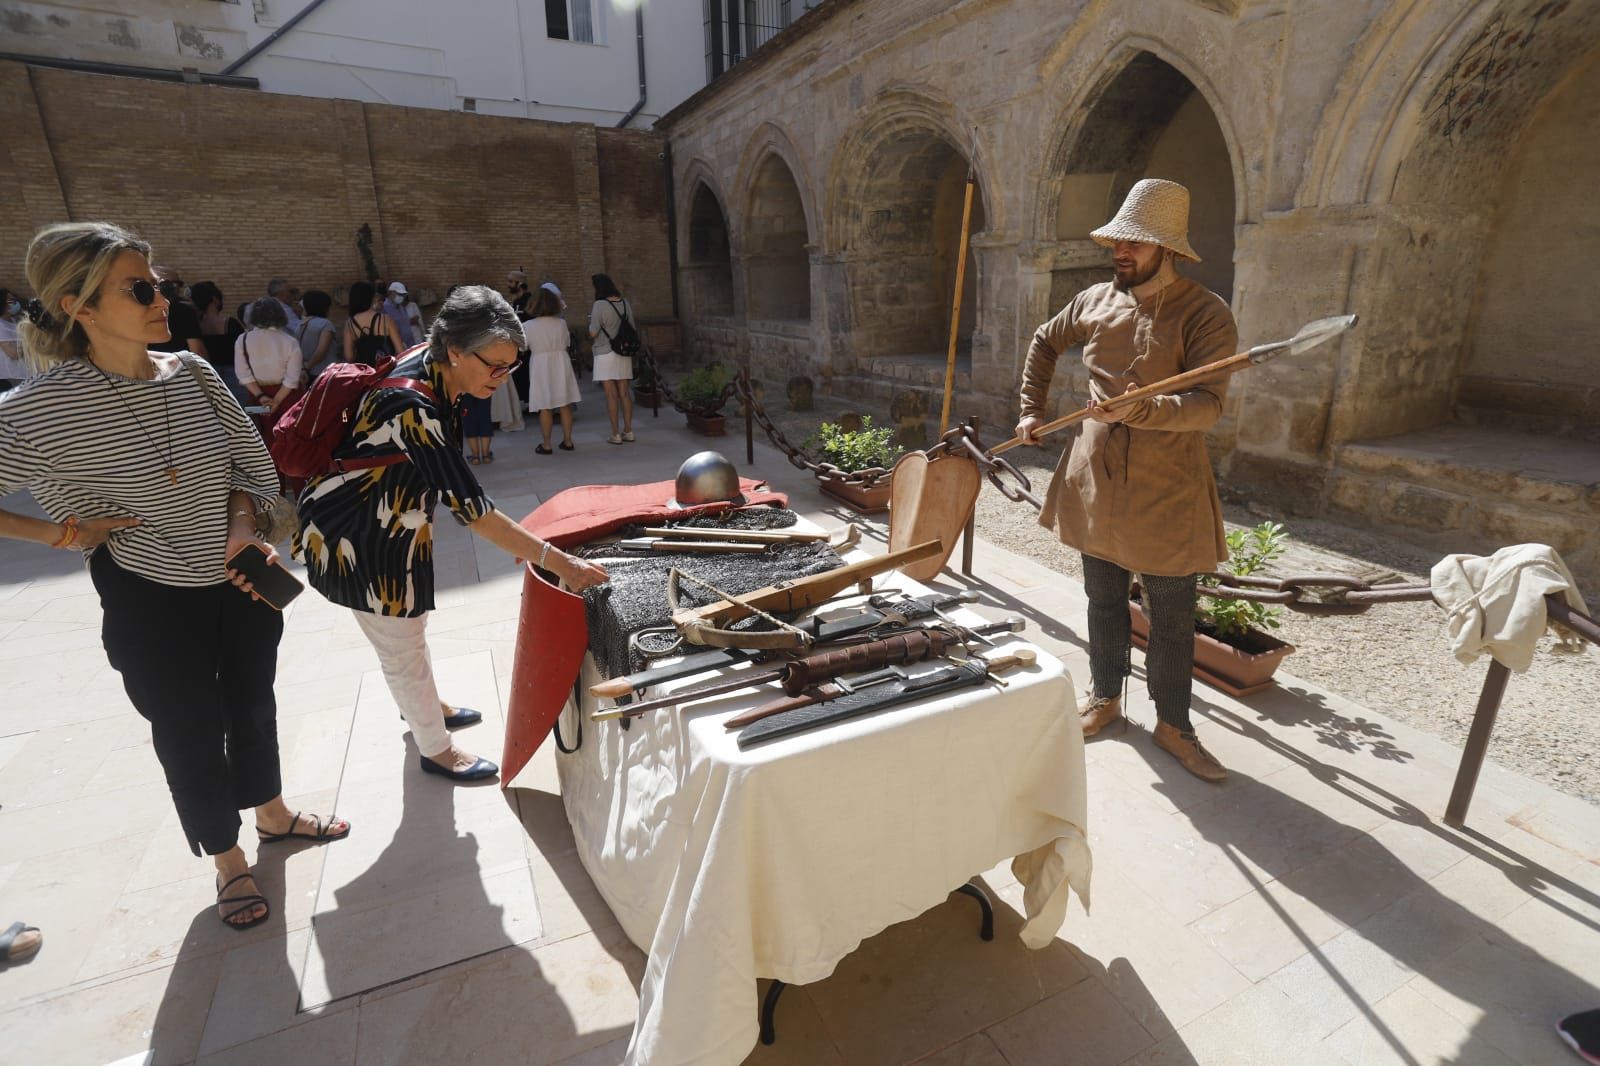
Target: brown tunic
1138,493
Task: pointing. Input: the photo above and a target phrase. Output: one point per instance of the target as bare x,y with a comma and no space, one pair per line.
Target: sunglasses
497,370
143,292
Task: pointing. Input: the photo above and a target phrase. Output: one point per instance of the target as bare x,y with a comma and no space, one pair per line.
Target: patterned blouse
367,536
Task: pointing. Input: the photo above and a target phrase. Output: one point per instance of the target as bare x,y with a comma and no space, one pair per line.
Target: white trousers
402,647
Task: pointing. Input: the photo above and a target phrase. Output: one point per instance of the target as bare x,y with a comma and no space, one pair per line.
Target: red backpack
305,437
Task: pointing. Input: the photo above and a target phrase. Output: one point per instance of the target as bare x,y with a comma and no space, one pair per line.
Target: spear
1310,335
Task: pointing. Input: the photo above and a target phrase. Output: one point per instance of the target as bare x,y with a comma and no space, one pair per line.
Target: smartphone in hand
275,585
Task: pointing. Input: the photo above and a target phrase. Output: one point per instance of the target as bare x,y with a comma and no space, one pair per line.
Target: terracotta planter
647,398
874,500
1234,670
707,425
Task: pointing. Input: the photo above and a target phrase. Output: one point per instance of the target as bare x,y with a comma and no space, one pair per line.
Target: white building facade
557,60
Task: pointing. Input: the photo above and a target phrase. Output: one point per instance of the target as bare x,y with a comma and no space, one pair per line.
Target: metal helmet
707,477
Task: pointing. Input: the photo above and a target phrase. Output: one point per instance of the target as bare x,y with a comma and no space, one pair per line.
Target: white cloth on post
1495,604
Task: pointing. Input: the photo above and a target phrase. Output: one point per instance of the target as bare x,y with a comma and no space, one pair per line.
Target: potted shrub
853,450
1233,650
701,397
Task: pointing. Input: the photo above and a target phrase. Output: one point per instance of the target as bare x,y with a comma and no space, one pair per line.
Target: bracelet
544,551
69,534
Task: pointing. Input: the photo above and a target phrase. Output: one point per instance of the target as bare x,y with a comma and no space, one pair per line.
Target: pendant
172,474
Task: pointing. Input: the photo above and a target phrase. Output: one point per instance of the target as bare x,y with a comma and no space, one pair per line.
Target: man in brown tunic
1135,493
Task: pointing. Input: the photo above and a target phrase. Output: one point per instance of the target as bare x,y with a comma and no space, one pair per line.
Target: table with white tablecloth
726,866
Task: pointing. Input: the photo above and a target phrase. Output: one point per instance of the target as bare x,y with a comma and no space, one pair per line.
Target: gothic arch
772,139
1078,116
896,112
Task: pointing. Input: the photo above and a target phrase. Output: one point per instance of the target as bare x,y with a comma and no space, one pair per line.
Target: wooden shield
931,500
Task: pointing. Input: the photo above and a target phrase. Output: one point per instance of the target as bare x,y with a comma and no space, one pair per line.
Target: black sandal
563,447
9,937
246,903
540,449
321,836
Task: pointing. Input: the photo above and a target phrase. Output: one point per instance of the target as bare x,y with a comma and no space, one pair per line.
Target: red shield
552,636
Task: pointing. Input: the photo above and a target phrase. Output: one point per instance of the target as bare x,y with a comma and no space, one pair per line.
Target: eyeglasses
497,370
143,292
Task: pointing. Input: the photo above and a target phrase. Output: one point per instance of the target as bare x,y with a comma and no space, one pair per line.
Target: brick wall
239,186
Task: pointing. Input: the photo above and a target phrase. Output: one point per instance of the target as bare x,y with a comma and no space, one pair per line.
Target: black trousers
1169,659
198,664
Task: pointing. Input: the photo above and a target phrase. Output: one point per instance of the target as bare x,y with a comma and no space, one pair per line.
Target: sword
646,545
855,704
798,674
881,609
844,686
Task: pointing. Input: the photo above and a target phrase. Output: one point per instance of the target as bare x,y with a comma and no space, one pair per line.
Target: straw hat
1155,212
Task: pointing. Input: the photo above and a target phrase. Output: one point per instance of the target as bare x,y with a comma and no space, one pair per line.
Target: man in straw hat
1135,493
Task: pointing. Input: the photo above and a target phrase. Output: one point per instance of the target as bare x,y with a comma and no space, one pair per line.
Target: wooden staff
961,277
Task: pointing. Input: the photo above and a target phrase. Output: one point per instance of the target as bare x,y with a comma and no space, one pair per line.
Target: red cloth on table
581,514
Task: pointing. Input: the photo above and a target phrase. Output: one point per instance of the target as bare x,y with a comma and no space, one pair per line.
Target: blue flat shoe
464,716
476,772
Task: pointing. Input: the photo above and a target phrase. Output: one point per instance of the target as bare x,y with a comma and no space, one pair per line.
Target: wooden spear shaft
1176,383
961,277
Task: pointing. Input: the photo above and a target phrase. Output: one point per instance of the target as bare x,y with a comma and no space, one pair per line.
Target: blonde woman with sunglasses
147,465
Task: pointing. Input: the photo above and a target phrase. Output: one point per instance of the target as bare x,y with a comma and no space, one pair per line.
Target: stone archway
777,263
901,245
1147,121
709,266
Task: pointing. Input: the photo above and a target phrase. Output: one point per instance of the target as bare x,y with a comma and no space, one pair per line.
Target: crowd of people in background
268,350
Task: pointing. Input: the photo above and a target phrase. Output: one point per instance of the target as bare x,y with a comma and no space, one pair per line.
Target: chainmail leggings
1169,604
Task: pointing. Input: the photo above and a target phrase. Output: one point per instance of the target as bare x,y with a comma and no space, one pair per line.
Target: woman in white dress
613,371
551,384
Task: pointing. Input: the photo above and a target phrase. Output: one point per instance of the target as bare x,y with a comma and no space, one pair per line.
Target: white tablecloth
727,865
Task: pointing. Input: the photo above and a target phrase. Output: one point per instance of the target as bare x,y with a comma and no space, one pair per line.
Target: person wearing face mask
398,308
367,535
13,368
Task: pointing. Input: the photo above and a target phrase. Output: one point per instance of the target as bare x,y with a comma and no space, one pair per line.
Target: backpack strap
344,466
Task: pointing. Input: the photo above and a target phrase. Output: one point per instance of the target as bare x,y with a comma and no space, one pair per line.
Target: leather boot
1185,747
1098,712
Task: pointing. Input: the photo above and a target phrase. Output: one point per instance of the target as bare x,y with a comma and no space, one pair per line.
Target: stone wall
1344,158
238,186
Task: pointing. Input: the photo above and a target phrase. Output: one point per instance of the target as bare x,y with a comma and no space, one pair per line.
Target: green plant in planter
701,390
1249,551
860,449
644,377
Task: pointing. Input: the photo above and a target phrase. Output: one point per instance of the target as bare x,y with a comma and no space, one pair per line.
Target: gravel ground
1394,659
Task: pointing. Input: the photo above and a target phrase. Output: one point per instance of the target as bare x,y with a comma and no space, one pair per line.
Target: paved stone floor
1312,910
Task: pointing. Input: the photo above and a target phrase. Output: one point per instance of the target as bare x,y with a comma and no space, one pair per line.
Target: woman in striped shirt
146,464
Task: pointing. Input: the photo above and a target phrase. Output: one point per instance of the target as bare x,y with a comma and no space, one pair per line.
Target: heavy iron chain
1314,594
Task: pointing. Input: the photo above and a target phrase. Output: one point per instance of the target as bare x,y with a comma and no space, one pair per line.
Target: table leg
970,889
769,1005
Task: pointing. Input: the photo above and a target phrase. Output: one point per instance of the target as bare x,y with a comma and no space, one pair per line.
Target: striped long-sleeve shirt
95,445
